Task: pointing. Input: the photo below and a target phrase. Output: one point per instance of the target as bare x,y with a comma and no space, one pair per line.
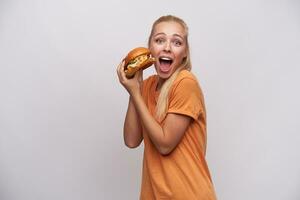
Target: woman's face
168,46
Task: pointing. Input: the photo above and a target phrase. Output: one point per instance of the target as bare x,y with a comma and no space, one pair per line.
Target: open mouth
165,63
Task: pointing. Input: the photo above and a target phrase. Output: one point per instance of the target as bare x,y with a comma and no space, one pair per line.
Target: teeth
165,58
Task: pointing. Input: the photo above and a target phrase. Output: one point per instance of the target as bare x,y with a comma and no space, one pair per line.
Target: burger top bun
137,59
135,53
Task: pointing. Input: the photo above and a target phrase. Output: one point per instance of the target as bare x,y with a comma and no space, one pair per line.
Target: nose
167,46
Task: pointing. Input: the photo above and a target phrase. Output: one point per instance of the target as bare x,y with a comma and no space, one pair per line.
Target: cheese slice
140,59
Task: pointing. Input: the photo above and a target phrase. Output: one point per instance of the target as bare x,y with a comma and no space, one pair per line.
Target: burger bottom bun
132,70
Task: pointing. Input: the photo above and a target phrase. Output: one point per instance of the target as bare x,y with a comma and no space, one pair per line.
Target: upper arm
174,128
186,104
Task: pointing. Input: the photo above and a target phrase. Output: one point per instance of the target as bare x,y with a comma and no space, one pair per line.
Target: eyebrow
175,34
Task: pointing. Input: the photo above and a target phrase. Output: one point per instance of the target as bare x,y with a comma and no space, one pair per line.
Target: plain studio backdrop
62,107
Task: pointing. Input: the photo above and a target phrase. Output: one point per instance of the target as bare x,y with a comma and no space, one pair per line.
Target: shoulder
151,78
186,96
185,75
149,81
186,78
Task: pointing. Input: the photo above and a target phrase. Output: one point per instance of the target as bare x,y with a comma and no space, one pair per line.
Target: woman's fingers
141,76
132,84
120,71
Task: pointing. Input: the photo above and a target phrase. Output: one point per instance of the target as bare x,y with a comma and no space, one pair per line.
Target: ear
184,60
185,55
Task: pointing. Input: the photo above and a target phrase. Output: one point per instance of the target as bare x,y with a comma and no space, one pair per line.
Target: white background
62,108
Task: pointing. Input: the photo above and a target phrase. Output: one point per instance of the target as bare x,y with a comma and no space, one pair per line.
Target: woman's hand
132,85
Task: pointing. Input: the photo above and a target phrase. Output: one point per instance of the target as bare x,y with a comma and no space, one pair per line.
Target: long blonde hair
162,103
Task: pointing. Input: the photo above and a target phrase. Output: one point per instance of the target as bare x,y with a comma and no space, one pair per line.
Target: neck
160,83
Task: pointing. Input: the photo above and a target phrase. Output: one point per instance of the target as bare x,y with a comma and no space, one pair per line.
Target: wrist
135,94
134,91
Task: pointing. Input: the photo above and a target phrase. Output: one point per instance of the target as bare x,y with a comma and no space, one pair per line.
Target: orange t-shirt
183,174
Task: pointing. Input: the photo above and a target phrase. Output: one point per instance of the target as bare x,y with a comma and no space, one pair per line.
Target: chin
164,75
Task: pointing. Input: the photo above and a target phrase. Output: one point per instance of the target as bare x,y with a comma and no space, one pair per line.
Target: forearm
153,128
132,127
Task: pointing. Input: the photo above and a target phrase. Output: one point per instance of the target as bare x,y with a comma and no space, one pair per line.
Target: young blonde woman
167,112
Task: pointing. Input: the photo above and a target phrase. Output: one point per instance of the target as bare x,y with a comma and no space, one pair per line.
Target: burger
137,59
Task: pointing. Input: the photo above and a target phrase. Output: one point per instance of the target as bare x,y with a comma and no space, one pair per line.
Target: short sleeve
147,85
186,98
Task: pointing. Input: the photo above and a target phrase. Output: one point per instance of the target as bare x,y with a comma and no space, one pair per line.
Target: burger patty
137,61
